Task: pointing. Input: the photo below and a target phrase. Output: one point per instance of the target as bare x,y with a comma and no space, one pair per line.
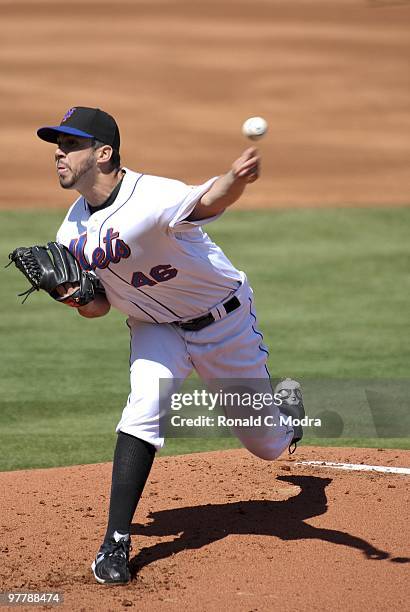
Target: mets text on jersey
112,254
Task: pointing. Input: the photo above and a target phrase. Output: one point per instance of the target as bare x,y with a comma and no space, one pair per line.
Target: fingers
70,302
247,166
67,289
251,152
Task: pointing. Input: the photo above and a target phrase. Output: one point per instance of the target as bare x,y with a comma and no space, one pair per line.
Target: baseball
255,128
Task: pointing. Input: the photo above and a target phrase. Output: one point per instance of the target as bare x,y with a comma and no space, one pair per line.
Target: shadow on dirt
197,526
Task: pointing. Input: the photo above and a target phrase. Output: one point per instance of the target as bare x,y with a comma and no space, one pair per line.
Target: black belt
205,320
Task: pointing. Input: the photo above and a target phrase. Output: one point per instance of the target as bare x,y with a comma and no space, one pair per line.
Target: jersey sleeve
72,224
62,235
65,235
175,216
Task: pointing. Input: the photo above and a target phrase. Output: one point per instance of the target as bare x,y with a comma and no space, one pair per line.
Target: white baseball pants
231,347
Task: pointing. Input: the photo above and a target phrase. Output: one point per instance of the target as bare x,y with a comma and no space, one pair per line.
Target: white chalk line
358,467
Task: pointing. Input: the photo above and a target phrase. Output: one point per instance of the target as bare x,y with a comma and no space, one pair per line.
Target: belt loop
215,313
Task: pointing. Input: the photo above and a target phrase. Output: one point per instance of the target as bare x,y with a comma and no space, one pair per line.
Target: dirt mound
219,530
181,77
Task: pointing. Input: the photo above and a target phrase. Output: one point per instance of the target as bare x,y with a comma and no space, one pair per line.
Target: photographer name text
250,421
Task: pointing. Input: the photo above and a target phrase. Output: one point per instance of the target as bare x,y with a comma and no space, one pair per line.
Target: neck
97,193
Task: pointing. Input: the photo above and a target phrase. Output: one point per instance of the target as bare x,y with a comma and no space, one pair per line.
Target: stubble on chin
66,183
70,182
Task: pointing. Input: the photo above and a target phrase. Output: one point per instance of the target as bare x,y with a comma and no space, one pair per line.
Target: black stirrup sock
132,464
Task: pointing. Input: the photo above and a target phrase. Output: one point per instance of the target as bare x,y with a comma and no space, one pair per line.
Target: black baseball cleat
111,563
292,406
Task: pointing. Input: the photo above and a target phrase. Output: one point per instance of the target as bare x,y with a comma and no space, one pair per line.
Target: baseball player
187,306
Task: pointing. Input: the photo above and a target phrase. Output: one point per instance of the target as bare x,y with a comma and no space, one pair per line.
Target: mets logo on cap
68,114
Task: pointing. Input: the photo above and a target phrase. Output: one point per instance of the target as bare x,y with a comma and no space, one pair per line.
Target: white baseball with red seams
159,268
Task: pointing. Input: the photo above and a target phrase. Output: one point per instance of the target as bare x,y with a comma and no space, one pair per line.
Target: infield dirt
331,77
218,531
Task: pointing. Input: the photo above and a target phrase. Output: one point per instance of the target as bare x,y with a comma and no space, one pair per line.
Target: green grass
331,290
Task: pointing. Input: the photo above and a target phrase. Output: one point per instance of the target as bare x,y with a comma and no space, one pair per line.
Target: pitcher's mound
218,531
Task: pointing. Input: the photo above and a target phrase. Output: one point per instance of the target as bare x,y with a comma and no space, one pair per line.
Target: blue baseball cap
86,123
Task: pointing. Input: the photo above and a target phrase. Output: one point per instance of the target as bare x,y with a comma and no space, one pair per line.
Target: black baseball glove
47,267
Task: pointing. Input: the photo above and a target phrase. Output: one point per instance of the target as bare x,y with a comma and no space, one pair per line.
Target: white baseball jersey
154,264
157,267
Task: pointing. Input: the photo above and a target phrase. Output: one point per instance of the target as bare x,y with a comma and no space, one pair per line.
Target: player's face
75,160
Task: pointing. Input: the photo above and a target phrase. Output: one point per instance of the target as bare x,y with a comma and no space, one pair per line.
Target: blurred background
331,77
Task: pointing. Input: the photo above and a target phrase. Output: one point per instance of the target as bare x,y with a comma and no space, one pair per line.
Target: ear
104,154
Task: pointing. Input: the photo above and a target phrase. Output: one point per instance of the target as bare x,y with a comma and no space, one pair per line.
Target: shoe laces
119,549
